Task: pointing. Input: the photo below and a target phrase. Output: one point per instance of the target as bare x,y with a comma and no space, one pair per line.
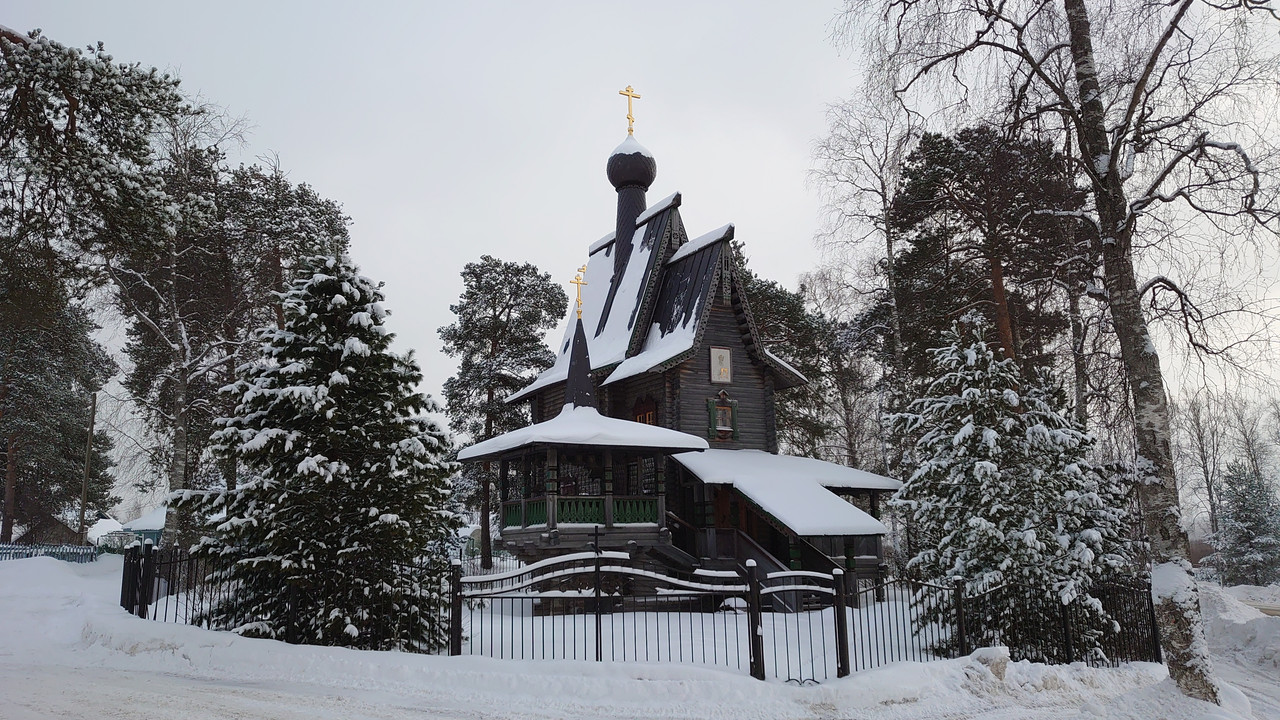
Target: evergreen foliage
502,314
970,238
1248,538
339,537
47,373
77,129
195,285
1004,491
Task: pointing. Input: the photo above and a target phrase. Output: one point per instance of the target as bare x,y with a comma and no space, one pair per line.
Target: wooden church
655,431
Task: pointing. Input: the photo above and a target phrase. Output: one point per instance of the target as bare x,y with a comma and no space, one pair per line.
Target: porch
606,511
557,501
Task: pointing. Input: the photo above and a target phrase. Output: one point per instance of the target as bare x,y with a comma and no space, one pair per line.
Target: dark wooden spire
579,391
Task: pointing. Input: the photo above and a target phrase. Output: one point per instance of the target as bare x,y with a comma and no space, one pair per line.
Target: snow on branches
1004,491
337,537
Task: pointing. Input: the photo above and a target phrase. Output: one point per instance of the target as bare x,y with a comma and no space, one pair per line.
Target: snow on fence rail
68,553
800,627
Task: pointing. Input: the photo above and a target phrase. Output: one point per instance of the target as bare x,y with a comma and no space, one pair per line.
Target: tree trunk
278,269
177,524
1078,366
486,542
891,277
1004,323
230,465
1207,456
1176,598
10,488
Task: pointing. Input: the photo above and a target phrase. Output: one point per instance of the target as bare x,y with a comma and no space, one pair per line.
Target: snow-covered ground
67,651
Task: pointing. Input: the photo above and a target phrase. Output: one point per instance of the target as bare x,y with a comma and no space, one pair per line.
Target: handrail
681,521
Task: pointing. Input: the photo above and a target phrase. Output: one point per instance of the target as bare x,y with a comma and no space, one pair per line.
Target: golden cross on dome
631,119
577,280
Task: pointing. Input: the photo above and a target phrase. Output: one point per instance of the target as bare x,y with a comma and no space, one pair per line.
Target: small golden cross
631,119
577,280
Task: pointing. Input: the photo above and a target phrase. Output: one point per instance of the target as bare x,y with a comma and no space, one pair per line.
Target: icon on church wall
721,366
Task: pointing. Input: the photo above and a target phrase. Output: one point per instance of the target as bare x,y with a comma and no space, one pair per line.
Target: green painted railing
635,510
512,515
587,509
523,513
580,510
535,512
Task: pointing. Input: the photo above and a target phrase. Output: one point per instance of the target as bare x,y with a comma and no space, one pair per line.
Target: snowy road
67,652
40,693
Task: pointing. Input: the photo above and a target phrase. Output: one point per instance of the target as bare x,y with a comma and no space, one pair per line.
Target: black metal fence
68,553
906,620
794,626
600,606
171,585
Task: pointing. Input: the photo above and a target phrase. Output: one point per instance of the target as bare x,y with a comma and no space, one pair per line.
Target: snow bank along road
66,651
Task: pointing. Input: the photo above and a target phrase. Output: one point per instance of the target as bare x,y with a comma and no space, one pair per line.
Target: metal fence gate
793,626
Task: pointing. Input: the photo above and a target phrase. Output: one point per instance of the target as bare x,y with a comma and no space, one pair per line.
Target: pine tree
965,213
502,314
1248,538
1004,492
338,537
49,365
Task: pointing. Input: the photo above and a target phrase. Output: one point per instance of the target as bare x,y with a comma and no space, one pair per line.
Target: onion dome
631,165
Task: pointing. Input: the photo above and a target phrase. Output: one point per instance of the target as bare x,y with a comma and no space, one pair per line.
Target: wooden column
607,488
553,487
660,480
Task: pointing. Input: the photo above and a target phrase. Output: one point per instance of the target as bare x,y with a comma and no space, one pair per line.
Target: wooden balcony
603,510
545,525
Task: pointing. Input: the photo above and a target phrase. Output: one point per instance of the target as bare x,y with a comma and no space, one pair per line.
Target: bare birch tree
1155,96
858,165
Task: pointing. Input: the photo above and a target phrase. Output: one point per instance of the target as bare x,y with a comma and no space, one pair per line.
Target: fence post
455,607
958,593
291,631
755,622
129,580
146,579
598,608
842,624
1066,633
882,574
1155,629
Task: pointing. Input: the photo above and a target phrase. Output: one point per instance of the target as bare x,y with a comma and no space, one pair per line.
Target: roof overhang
793,490
583,428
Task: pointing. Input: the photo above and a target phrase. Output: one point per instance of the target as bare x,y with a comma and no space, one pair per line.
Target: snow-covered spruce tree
1248,538
339,535
1004,493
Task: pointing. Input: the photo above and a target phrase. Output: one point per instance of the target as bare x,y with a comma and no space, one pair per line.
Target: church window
722,417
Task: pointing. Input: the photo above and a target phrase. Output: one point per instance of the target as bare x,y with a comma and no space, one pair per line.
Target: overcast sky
451,130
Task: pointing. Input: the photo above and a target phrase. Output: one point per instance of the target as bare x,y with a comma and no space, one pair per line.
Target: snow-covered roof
599,244
585,427
102,527
792,489
658,349
608,346
152,520
785,365
678,310
721,233
721,466
672,200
